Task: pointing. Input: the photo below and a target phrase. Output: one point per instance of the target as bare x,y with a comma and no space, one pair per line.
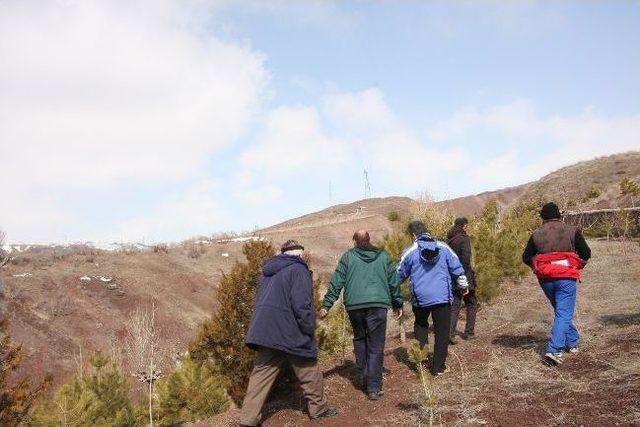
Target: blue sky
164,120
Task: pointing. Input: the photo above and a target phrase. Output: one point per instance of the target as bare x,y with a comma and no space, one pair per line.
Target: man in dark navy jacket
282,330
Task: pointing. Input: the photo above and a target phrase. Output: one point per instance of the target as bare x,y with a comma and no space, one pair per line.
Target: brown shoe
329,412
453,340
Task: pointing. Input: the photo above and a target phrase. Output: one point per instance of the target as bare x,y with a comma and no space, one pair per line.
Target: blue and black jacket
431,266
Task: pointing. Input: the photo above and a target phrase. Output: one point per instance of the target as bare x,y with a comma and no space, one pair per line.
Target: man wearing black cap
282,330
557,252
460,242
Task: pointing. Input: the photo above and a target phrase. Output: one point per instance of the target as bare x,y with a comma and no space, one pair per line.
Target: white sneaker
573,350
554,358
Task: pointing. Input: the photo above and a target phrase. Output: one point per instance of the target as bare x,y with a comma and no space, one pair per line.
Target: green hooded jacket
368,277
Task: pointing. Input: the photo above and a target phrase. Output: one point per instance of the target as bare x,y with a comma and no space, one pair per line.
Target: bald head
361,238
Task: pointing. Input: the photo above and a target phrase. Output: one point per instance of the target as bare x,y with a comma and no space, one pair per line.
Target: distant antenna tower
367,185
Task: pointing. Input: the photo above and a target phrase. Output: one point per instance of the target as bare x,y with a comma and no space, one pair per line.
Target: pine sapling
418,355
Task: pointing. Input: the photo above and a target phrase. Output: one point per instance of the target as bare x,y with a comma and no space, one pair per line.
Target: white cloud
94,94
196,211
299,140
514,119
260,195
517,127
292,141
385,143
364,112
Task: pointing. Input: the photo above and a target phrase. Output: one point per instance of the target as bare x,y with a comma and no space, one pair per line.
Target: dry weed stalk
142,342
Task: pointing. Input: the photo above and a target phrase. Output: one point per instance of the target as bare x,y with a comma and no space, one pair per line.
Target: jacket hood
429,250
275,264
367,254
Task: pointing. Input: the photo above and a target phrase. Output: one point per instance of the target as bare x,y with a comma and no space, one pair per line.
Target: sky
162,120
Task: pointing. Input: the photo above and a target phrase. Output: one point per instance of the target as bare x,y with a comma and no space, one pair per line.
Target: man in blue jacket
430,266
282,330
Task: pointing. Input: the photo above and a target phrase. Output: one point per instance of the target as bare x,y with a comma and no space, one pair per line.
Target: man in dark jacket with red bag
282,330
557,252
459,241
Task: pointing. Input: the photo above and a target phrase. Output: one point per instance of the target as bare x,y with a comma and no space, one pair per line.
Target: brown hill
54,312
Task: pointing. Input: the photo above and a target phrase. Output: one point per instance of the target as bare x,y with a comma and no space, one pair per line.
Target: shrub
394,244
190,392
221,339
15,400
160,248
334,333
437,221
592,193
100,398
628,186
498,245
195,250
393,216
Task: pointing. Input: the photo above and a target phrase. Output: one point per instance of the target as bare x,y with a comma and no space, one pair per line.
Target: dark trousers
369,330
471,305
441,317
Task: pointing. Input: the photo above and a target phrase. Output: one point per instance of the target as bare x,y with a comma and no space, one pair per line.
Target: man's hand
323,313
398,312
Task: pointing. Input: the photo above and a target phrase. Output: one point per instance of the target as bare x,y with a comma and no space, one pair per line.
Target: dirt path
499,378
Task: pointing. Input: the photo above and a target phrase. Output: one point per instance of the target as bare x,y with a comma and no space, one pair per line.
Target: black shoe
329,412
375,395
468,335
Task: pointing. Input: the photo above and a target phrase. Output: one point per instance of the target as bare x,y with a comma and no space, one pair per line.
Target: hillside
499,379
54,312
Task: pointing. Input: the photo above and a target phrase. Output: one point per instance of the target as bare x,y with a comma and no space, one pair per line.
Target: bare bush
141,347
4,256
195,250
160,248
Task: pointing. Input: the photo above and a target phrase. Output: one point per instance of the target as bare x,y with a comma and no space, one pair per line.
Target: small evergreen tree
190,392
334,333
99,398
15,401
221,339
498,244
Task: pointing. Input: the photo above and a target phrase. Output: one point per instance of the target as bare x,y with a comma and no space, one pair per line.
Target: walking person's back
460,242
282,330
366,275
557,252
432,268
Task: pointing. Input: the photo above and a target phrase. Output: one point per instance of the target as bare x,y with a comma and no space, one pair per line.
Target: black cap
291,245
550,211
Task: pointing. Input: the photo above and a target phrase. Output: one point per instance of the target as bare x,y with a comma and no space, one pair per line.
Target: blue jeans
562,295
369,330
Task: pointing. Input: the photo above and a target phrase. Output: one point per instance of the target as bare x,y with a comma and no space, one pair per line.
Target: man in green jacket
368,277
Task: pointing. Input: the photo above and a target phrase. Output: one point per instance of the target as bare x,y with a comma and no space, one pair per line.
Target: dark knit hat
291,245
461,221
550,211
